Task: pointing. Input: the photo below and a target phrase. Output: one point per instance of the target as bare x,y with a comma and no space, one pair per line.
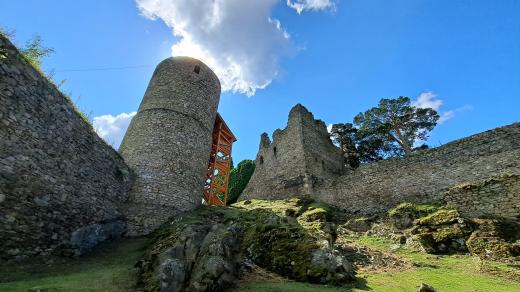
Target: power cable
104,69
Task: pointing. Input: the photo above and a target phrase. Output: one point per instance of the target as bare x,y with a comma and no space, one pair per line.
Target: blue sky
335,57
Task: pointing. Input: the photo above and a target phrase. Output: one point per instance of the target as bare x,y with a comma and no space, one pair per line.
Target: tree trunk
401,141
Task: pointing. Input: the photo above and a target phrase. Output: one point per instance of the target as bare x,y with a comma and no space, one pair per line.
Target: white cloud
427,100
430,100
112,128
302,5
446,116
238,39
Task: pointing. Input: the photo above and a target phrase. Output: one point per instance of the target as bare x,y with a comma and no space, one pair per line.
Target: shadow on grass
109,256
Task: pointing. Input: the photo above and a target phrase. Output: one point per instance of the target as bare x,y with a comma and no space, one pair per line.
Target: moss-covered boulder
404,215
361,224
442,232
316,212
495,239
207,249
440,217
194,254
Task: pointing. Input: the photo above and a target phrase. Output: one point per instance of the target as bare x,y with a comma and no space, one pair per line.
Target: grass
108,268
445,273
111,266
287,287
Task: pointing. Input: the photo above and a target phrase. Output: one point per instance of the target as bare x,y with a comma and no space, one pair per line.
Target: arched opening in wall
274,151
261,159
196,69
322,164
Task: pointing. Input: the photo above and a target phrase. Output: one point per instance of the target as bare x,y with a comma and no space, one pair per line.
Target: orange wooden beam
215,190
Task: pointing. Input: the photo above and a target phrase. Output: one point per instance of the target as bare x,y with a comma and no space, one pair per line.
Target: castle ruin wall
61,185
308,164
426,175
300,157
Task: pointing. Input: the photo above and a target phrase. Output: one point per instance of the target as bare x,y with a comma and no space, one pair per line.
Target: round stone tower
168,142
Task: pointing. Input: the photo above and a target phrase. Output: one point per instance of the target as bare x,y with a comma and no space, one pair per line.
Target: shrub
238,179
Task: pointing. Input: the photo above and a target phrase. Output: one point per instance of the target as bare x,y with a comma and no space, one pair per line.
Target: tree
357,148
396,124
238,179
346,137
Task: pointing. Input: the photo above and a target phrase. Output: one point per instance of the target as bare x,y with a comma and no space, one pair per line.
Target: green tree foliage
388,130
397,123
346,137
238,179
34,51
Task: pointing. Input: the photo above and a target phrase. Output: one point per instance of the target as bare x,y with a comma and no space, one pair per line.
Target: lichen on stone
212,244
403,215
440,217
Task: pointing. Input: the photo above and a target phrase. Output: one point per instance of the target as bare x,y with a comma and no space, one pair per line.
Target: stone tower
299,159
168,142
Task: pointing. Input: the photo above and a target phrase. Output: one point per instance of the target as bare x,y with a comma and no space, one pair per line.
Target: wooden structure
216,186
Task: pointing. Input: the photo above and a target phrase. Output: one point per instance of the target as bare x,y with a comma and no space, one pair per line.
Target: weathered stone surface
495,239
296,162
56,175
168,142
301,161
443,232
207,249
205,258
86,237
424,177
498,195
404,214
362,224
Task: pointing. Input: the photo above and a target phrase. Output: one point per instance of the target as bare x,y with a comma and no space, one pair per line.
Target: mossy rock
440,217
443,232
206,247
489,247
404,214
495,239
444,241
316,212
362,224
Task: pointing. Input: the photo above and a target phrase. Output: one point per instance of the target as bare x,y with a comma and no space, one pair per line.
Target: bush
238,179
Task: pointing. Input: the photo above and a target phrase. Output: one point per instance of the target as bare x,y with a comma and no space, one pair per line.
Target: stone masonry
299,158
495,195
290,166
168,142
60,184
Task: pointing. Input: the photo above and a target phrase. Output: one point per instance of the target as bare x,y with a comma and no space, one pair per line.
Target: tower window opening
261,159
196,69
274,151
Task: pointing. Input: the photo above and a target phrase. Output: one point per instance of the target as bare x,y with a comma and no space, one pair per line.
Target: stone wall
424,176
60,184
307,163
299,157
498,195
168,142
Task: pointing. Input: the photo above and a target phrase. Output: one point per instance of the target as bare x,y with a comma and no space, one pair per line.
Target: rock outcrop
209,249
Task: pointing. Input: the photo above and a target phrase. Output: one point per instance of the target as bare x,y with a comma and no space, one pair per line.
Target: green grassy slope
445,273
108,268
